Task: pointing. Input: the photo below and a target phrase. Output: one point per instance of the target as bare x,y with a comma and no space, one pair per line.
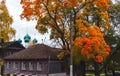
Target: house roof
38,51
11,45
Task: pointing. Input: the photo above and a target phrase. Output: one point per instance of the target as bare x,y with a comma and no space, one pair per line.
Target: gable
12,45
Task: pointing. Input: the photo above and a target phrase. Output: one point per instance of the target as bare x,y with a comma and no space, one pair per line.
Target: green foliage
114,13
44,20
42,29
112,37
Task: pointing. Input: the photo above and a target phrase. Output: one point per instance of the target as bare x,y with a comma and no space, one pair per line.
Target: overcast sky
22,26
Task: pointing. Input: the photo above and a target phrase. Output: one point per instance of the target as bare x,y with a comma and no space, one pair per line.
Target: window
23,66
30,66
39,66
8,65
15,65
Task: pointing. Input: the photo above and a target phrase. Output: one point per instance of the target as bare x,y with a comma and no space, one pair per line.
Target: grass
94,75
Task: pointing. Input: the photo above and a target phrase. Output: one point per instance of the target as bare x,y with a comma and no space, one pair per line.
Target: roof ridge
37,51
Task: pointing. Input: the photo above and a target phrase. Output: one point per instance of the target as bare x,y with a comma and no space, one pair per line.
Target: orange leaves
92,31
66,3
105,54
81,27
86,29
88,46
84,51
99,16
80,41
99,59
108,48
80,1
73,3
93,45
102,4
27,4
27,11
89,41
70,3
36,2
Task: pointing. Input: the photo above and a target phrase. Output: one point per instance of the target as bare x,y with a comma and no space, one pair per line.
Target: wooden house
9,48
6,49
38,60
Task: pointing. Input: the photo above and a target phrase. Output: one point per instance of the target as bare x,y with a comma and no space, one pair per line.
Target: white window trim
30,66
23,67
39,66
8,65
15,64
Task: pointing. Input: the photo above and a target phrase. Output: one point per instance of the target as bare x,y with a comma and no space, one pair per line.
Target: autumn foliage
92,45
7,32
89,19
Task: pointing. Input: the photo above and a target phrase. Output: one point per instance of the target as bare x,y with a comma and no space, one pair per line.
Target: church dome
35,40
19,40
27,37
26,40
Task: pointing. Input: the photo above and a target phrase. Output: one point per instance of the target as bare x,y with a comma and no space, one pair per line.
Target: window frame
30,66
23,66
8,64
39,66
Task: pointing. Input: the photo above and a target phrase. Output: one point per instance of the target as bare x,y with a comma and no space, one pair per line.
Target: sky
24,27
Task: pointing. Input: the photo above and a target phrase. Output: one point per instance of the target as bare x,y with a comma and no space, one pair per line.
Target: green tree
113,37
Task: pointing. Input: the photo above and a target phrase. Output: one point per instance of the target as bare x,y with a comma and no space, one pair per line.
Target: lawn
94,75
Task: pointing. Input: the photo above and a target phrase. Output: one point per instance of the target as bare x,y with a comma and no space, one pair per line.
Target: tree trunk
80,69
106,71
113,72
2,70
67,68
96,71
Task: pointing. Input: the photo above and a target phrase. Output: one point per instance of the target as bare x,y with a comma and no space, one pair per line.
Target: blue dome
26,40
35,40
27,37
19,40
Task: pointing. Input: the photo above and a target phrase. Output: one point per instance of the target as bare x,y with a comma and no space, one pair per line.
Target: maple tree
89,19
93,46
6,30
